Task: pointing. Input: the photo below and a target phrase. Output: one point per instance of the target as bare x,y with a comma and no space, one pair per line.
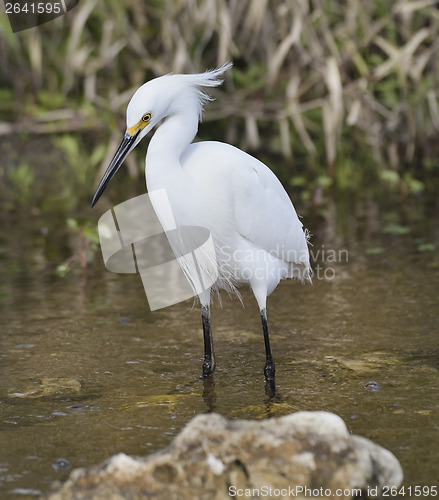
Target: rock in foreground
214,458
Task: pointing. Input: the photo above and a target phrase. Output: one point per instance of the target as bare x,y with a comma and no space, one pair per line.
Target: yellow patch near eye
132,130
140,125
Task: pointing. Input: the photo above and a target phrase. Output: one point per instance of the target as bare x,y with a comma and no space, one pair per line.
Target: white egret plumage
257,235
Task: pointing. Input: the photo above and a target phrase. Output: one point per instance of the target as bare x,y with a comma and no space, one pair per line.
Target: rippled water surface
87,371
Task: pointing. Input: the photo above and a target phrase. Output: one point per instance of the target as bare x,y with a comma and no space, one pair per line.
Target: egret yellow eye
146,117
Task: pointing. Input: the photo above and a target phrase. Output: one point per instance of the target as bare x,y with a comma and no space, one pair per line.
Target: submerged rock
298,455
48,387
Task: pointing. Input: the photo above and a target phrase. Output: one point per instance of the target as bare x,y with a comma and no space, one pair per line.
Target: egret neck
172,137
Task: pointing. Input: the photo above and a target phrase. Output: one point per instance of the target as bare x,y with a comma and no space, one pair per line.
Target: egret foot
269,370
208,367
270,379
209,355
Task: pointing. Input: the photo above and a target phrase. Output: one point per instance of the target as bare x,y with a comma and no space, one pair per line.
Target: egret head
154,101
150,103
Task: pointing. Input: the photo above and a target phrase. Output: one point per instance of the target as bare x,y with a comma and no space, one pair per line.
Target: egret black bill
126,146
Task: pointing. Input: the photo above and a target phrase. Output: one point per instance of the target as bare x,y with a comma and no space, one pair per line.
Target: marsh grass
336,89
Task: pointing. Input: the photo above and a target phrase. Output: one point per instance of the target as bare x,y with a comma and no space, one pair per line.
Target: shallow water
88,371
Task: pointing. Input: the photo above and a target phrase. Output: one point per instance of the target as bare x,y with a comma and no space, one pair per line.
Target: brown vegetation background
339,93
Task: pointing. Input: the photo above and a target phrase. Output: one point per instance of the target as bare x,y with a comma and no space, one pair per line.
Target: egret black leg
209,355
269,369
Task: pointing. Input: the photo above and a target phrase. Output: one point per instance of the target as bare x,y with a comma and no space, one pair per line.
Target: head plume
196,82
174,93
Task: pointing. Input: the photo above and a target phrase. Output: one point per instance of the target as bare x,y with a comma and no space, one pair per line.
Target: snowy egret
258,237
